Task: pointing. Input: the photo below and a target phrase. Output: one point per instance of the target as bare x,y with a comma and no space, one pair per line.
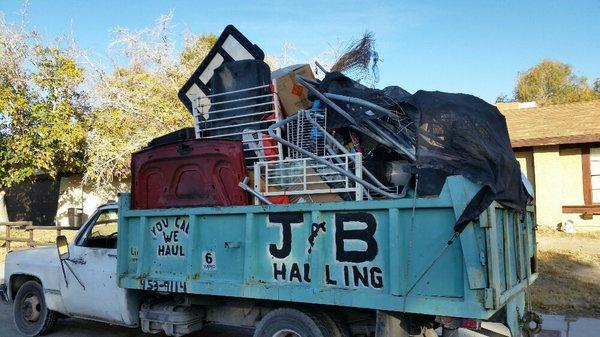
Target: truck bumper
3,293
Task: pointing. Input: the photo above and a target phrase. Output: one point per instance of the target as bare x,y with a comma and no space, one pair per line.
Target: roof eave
559,140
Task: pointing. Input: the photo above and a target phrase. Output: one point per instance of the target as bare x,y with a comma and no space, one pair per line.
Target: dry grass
552,233
569,266
48,236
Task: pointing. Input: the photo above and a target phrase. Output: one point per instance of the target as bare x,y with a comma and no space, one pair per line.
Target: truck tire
31,315
288,322
338,326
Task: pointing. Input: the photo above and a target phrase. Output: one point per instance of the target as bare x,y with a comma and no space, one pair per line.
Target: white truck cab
83,285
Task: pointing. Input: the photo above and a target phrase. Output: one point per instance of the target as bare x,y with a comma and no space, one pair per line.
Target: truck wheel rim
31,308
286,333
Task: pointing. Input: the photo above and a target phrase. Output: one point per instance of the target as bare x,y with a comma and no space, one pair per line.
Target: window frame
91,223
587,155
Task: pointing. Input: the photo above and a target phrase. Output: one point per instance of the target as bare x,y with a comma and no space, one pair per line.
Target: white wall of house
73,194
3,211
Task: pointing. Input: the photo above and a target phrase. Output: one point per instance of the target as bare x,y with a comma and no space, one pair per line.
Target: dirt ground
79,328
569,266
38,236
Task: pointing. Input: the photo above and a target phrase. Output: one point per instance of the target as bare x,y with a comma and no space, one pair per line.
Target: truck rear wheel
338,326
287,322
32,316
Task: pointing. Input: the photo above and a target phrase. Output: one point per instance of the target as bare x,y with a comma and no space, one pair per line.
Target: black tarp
458,134
461,134
337,83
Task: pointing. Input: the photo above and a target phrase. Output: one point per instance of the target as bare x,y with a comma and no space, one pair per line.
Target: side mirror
63,247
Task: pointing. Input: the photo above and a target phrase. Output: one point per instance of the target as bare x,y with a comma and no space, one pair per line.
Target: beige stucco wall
548,183
571,176
73,194
525,159
556,174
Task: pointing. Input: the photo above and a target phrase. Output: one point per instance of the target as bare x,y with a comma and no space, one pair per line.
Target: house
558,148
46,201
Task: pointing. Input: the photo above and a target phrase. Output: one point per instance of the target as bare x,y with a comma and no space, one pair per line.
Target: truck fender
53,297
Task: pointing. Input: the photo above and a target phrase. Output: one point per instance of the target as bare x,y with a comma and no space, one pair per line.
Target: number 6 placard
209,260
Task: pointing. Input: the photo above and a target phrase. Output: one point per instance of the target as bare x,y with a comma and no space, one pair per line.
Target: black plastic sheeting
401,128
461,134
336,83
458,134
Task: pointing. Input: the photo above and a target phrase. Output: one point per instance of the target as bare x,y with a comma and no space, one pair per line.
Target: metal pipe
321,67
341,111
341,171
372,135
326,100
362,102
384,134
343,149
333,153
244,185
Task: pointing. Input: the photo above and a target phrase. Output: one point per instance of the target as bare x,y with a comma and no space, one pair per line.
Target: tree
196,47
42,107
137,102
597,86
553,82
503,98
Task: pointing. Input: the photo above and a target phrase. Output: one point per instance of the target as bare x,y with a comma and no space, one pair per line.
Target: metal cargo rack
305,134
332,157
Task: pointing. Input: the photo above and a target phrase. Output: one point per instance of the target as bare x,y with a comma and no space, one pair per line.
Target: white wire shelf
229,116
306,177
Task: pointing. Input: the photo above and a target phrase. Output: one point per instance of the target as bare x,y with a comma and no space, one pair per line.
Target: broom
354,62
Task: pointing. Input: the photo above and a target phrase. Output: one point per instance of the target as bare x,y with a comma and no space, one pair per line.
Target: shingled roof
555,124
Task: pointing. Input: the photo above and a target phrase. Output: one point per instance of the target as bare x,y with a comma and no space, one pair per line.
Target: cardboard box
292,95
317,183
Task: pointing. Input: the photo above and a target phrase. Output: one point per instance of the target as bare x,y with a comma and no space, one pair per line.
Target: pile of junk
284,136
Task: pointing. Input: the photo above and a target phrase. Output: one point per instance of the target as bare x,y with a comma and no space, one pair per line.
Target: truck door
93,260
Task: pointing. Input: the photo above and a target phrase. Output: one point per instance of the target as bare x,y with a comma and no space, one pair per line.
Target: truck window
103,233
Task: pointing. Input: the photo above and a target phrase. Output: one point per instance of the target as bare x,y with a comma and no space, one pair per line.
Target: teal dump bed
364,254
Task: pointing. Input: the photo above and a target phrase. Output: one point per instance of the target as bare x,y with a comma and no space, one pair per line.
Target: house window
595,174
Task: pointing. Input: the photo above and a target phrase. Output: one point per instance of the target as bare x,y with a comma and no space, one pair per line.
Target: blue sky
474,47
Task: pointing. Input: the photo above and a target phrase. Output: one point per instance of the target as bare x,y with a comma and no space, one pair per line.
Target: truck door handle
232,244
113,255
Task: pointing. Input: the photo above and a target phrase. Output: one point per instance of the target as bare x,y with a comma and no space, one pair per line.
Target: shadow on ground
81,328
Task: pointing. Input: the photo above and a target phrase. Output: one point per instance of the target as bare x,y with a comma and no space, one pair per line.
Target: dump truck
372,213
352,268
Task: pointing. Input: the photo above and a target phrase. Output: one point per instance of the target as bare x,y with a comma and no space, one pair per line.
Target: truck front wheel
31,315
287,322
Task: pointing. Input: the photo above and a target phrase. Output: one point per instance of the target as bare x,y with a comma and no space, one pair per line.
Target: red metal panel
189,173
